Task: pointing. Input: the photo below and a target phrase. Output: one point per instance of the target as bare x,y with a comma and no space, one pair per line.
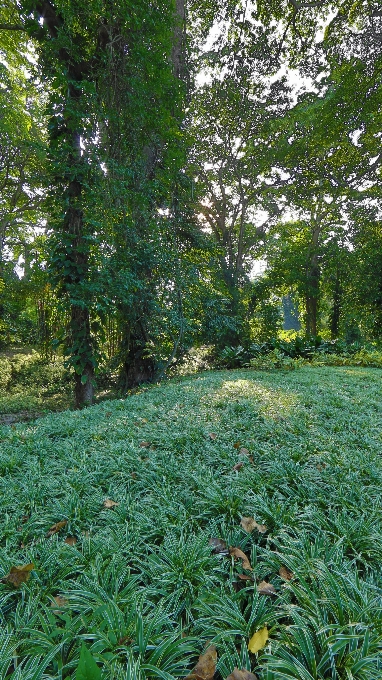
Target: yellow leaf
258,640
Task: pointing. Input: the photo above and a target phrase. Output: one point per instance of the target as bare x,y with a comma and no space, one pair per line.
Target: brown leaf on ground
56,528
212,435
70,540
236,552
321,466
206,666
243,451
245,577
258,640
237,445
219,546
251,459
249,524
133,475
265,588
145,445
243,674
238,466
125,640
141,421
108,503
286,574
18,575
59,601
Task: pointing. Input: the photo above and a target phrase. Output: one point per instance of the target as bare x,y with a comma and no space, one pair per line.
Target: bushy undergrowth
138,582
29,382
299,352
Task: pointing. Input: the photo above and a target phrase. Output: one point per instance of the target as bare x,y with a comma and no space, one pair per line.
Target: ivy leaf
87,668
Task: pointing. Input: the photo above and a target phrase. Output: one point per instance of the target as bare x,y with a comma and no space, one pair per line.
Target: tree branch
12,27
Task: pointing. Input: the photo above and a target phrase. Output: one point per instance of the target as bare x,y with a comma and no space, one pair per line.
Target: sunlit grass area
139,583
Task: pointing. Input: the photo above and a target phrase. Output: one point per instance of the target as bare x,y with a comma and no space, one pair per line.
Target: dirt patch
20,417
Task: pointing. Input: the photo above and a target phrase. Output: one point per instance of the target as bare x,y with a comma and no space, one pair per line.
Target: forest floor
200,511
32,386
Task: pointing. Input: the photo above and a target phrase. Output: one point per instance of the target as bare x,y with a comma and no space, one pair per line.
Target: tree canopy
152,154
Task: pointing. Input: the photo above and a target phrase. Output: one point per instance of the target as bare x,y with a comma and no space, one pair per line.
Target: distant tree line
151,153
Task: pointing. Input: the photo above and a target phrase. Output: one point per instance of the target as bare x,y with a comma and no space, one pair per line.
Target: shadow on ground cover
141,576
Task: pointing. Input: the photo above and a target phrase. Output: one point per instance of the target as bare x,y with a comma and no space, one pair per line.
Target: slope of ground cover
141,585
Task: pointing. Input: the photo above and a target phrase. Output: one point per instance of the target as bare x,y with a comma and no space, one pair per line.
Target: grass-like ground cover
141,586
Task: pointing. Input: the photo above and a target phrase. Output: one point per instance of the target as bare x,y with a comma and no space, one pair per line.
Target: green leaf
87,668
84,379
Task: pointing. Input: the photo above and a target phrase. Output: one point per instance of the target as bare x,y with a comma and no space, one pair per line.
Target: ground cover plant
223,509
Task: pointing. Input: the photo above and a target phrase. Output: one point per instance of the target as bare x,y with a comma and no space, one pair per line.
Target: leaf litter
258,640
242,674
56,528
237,553
18,575
249,524
206,666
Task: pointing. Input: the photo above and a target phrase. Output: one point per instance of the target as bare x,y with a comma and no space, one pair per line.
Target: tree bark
74,247
336,307
313,277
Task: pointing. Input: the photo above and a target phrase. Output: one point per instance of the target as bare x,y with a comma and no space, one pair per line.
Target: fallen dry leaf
206,666
145,445
133,475
18,575
56,528
245,577
265,588
219,546
108,503
249,524
212,435
125,640
236,552
244,452
251,459
258,640
243,674
286,574
70,540
59,601
237,445
238,466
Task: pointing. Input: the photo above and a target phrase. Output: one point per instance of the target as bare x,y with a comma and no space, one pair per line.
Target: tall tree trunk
313,278
75,249
72,251
335,314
